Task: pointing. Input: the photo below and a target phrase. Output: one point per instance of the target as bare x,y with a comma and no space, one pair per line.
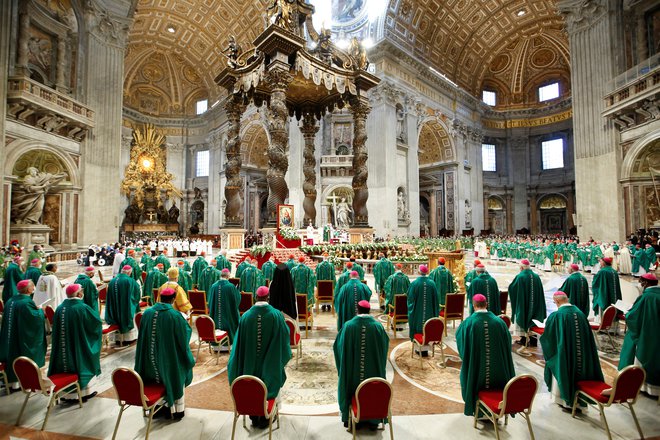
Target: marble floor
425,401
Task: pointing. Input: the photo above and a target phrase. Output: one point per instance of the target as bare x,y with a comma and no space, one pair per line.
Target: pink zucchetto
262,292
607,260
479,298
225,270
90,269
127,268
559,293
575,266
35,261
525,262
22,285
365,304
423,269
168,292
354,274
72,289
649,277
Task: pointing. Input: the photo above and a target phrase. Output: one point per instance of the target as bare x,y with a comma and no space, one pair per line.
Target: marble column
509,214
278,162
234,185
360,109
5,39
61,64
309,130
23,40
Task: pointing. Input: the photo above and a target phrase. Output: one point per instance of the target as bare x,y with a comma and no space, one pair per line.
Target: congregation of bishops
260,337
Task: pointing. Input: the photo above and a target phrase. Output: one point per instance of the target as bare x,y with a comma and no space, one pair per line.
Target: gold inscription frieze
532,122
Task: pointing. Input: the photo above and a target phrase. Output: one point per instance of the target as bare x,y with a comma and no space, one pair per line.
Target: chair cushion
297,338
442,313
419,338
537,330
220,334
153,392
492,399
111,329
271,404
594,326
143,304
354,406
63,380
594,389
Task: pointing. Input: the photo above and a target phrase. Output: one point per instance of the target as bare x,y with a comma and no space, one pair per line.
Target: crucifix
334,198
151,216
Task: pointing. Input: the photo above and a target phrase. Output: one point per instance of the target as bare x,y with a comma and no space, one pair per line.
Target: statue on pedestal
30,196
343,214
173,214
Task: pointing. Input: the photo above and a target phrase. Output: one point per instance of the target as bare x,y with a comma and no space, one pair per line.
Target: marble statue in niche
344,212
403,214
173,214
400,123
29,199
468,215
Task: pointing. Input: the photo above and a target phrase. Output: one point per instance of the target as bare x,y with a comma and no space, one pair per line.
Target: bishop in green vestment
484,345
223,262
358,268
383,269
241,267
569,349
443,279
122,303
162,259
23,331
346,301
576,287
91,292
268,269
527,299
208,277
486,285
360,353
262,347
77,339
198,266
325,271
163,351
136,274
147,262
344,277
605,286
13,275
422,302
396,284
223,300
184,280
155,278
651,258
471,274
34,271
641,345
639,261
304,280
251,279
291,262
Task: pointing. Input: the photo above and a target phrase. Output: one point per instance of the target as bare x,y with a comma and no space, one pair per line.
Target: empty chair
32,383
107,331
294,338
432,335
250,398
398,312
247,301
325,294
372,400
49,312
453,309
207,333
605,326
305,314
198,302
504,299
235,281
138,320
131,391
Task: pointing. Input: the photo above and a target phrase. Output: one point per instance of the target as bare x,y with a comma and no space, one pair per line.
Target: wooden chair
103,294
506,320
364,282
32,383
198,302
605,326
432,335
304,312
325,293
101,276
155,294
247,301
504,299
294,338
398,312
516,398
5,380
235,281
453,309
207,333
138,320
624,390
131,391
250,398
372,400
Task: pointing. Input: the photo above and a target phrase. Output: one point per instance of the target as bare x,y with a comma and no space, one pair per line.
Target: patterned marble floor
424,399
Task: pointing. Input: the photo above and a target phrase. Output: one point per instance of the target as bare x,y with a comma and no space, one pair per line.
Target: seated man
76,340
261,348
484,345
181,302
122,303
360,353
569,350
348,298
163,352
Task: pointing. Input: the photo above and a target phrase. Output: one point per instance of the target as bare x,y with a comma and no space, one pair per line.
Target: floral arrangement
260,250
289,234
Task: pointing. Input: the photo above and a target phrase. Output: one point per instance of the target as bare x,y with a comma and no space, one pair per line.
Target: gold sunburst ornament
147,169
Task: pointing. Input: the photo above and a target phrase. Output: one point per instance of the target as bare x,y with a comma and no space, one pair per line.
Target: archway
496,220
641,184
552,214
335,200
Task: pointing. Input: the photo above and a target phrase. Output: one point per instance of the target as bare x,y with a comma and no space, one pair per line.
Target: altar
454,262
151,227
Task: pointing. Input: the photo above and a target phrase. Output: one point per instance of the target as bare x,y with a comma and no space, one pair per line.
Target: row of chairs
452,311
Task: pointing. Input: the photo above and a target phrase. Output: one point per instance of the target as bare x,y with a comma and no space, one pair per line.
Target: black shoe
345,424
179,415
89,396
522,341
533,342
263,423
163,413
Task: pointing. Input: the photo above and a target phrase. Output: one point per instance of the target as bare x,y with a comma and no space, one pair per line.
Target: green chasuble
651,258
396,284
163,351
261,348
347,299
304,281
240,268
137,272
382,271
223,301
155,278
606,288
223,263
484,345
146,262
13,275
268,269
162,259
641,340
23,333
77,341
527,299
341,280
122,302
209,276
359,269
469,276
422,304
33,273
360,353
325,271
90,291
576,287
291,263
185,266
185,281
444,282
487,286
639,260
569,349
251,280
198,266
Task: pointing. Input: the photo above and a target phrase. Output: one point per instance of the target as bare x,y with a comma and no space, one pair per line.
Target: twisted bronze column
309,130
360,109
234,185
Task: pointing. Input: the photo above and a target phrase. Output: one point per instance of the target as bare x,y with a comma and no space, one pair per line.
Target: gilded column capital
581,14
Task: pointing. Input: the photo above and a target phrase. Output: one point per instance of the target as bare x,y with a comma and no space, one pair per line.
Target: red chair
106,331
606,324
103,293
624,390
247,301
208,334
304,312
504,298
398,312
131,391
235,281
517,397
5,380
144,276
32,383
2,307
138,320
506,320
432,335
453,309
50,315
372,400
198,302
294,337
250,398
325,293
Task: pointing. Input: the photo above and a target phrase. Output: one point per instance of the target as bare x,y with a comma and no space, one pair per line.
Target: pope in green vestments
576,287
91,292
34,271
304,281
443,279
486,285
122,301
484,345
155,278
605,286
268,269
396,284
223,300
383,269
569,349
163,352
23,331
360,353
262,347
198,266
251,280
422,302
641,344
325,271
76,339
162,259
13,275
527,298
208,277
346,301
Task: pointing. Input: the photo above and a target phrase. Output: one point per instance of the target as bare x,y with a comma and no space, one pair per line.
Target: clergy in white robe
48,290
